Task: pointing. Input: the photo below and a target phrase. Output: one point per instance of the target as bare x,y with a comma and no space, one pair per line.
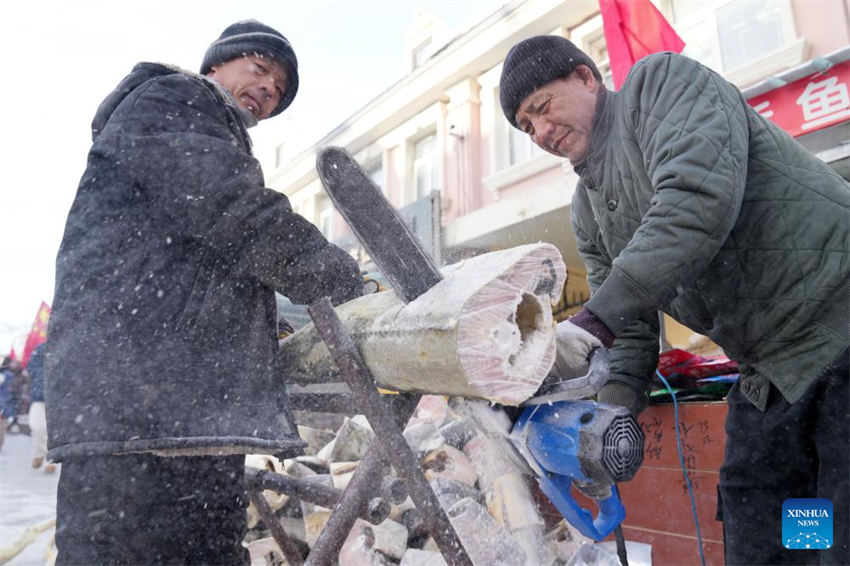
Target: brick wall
658,509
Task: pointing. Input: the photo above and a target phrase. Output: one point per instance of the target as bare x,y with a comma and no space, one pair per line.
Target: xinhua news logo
807,524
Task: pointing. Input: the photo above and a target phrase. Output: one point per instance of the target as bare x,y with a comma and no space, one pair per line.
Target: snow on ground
27,498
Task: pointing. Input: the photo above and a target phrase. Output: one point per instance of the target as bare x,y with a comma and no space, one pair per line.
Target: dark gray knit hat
250,36
532,63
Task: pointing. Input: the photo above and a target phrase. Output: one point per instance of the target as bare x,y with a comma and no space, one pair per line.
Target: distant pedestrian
5,395
6,377
37,420
17,404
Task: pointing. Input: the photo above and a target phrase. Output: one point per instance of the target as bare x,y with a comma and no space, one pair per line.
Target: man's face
256,82
559,115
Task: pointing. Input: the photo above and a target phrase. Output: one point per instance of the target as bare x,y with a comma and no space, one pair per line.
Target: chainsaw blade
377,224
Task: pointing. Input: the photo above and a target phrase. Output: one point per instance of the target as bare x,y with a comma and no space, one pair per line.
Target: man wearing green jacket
691,203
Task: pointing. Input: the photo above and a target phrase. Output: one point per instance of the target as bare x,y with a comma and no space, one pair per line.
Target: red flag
38,333
633,30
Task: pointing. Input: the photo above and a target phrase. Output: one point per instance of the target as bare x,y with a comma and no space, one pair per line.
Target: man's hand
616,393
573,348
576,338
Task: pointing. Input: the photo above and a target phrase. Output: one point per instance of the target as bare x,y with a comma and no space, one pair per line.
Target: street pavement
27,499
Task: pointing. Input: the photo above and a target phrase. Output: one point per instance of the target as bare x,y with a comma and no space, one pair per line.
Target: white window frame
502,173
792,52
432,161
325,219
597,49
420,54
590,38
371,168
280,155
530,149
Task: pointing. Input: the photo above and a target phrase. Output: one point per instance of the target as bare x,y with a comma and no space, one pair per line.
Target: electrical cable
621,545
682,464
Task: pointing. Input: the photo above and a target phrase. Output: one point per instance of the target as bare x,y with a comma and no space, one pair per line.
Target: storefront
812,103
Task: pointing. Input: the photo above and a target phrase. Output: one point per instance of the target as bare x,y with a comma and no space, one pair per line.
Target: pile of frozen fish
489,496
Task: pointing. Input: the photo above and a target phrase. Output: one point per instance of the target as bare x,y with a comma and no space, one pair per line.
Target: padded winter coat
162,334
691,203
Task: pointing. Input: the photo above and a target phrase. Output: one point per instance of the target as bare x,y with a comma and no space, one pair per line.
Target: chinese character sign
823,102
808,104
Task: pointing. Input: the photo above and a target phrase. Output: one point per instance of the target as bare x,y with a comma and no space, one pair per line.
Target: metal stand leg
360,504
367,480
374,511
290,551
388,436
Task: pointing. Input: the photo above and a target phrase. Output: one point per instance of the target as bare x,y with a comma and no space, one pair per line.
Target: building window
425,166
279,155
520,147
597,50
420,53
748,30
730,34
326,218
512,146
686,9
513,157
376,173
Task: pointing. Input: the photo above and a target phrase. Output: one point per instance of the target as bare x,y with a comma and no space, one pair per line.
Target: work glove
618,393
573,349
576,339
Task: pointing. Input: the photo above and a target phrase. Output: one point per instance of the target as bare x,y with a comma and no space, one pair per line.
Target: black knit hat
250,36
532,63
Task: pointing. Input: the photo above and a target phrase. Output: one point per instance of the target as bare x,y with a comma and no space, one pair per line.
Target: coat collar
602,124
145,71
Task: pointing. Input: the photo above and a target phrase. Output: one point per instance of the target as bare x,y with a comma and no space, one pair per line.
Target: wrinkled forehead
531,104
532,100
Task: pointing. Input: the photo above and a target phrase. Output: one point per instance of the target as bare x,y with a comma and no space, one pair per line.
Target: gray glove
573,348
617,393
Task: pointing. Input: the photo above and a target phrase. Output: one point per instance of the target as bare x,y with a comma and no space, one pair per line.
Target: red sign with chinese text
810,103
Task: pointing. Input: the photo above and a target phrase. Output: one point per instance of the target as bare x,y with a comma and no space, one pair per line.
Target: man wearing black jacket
161,365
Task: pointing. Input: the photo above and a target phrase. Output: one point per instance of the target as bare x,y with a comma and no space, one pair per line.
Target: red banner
810,103
633,30
38,332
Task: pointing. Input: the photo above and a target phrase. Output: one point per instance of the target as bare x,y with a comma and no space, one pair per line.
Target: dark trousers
788,451
143,509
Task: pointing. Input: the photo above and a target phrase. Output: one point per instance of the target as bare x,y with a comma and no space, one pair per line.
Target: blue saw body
588,444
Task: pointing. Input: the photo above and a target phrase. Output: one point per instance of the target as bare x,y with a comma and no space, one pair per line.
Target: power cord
682,464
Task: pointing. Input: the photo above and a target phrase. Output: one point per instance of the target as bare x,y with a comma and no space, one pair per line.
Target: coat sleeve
178,140
634,355
690,126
